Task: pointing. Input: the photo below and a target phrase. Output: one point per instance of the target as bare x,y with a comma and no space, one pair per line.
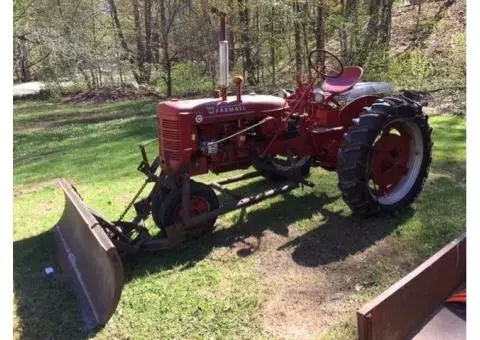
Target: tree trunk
99,72
16,71
144,73
349,35
419,15
386,23
156,35
272,46
25,74
84,72
148,31
249,66
257,54
94,57
298,48
305,18
156,46
320,27
231,37
92,76
168,67
372,26
120,73
121,38
166,53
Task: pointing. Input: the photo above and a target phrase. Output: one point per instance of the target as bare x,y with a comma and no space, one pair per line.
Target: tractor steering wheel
325,64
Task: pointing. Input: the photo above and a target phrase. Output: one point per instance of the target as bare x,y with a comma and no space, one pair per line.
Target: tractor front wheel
385,157
169,209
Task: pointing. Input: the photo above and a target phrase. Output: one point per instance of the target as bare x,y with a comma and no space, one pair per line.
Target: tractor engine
219,135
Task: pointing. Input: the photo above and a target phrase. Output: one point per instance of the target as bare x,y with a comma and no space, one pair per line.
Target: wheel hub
390,161
198,206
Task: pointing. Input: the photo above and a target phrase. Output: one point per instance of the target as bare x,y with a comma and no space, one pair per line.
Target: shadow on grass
272,218
90,152
334,239
340,236
91,118
43,316
50,111
45,307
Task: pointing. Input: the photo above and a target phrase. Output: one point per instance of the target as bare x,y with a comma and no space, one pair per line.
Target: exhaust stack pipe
223,61
222,54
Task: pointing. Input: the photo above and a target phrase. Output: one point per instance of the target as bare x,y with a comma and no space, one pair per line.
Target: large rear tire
385,157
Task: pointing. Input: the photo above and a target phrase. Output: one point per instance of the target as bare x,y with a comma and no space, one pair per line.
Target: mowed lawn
295,266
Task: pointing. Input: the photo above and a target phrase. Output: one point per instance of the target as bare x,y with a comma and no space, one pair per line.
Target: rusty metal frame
120,231
399,311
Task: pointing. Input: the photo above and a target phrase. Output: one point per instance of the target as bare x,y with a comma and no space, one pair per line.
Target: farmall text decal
213,110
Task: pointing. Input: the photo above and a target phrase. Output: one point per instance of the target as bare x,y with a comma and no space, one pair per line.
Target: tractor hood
215,110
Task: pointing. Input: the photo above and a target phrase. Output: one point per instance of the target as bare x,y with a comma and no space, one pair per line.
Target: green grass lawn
247,279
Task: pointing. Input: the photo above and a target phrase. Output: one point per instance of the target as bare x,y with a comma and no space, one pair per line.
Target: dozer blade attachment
89,259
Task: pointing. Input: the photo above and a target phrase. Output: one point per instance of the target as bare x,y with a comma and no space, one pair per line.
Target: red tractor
379,144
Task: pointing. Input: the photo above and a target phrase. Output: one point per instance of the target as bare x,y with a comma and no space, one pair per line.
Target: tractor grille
172,155
171,138
171,144
170,124
171,134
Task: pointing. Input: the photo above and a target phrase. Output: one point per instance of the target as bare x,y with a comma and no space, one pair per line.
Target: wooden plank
402,308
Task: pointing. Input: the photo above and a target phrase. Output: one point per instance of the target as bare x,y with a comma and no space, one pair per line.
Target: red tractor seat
350,76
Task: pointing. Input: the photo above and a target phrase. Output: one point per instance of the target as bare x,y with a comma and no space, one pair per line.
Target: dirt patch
293,308
109,94
362,270
436,19
43,207
33,187
302,301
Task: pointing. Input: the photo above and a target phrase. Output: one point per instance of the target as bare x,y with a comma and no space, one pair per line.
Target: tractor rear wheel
385,157
169,210
278,168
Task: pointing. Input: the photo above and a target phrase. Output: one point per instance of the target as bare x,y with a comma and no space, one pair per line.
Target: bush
412,70
58,90
186,80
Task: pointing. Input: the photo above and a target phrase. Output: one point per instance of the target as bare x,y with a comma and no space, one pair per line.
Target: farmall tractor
378,144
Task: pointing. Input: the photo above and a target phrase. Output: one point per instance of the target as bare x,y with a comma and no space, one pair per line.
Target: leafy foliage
412,70
173,44
187,79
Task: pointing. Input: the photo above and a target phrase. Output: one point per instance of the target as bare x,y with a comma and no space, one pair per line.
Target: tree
101,41
349,31
272,45
298,48
320,27
248,65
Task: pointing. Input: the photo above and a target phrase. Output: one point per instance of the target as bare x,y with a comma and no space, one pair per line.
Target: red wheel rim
198,206
390,159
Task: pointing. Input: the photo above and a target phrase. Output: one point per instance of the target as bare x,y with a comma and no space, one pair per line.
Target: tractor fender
354,108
